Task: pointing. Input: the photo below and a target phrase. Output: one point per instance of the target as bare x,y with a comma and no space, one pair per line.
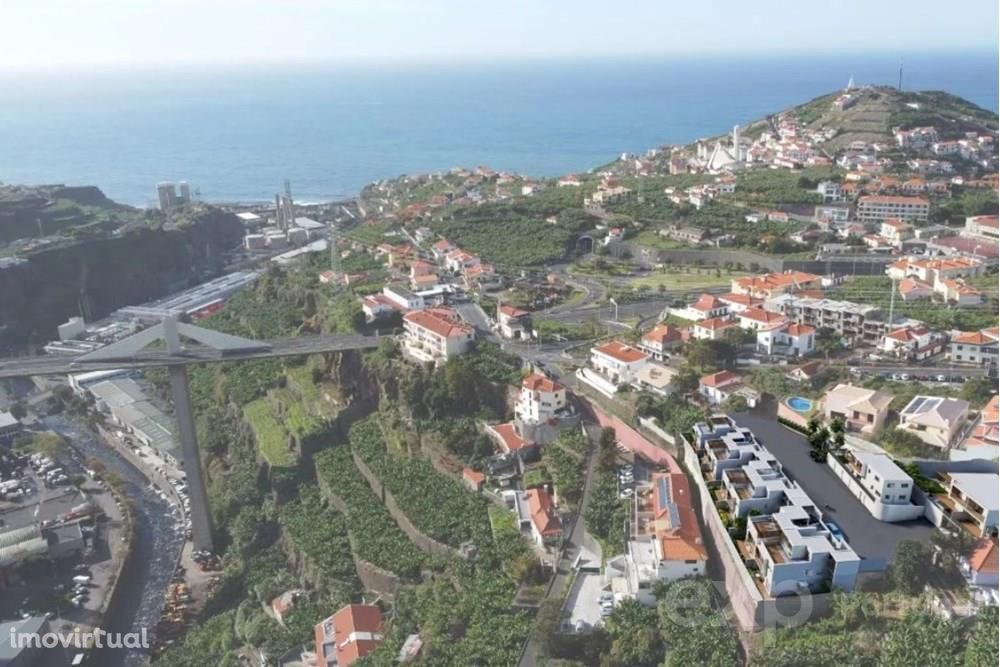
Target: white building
618,362
790,543
513,323
435,335
978,348
791,340
876,208
831,192
717,388
71,328
878,483
540,399
402,297
982,226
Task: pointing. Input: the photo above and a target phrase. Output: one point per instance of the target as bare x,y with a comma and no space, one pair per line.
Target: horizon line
499,60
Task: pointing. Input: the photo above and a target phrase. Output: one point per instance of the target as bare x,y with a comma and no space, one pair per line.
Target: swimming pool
799,403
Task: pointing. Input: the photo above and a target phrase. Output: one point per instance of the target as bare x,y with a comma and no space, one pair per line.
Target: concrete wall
881,511
653,427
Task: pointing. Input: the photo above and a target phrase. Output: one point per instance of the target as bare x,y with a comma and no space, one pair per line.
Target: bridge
163,346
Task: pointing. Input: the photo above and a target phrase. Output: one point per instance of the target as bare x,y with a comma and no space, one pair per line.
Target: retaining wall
423,542
373,577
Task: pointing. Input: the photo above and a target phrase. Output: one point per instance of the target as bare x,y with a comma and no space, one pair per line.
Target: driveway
583,601
868,536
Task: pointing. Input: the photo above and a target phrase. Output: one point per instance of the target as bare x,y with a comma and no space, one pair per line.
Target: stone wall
423,542
373,577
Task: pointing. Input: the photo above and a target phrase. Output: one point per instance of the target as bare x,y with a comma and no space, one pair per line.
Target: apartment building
435,335
881,486
877,208
791,548
978,348
854,322
935,420
969,501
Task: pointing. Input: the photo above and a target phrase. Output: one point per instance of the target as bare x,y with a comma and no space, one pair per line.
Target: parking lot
868,536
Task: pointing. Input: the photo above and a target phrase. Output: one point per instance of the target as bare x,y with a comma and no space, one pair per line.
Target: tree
978,390
911,567
735,403
635,636
922,638
827,341
838,429
981,648
685,381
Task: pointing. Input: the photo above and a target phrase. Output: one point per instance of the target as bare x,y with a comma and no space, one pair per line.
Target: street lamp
612,301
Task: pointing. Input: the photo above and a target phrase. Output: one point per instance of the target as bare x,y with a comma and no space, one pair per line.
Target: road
58,364
571,547
157,544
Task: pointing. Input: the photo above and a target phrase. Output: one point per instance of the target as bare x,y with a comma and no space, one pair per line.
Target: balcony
767,527
776,553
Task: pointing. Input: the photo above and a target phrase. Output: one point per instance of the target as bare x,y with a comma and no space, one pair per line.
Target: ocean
236,135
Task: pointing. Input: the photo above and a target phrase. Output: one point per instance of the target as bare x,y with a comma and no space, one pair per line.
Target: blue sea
236,134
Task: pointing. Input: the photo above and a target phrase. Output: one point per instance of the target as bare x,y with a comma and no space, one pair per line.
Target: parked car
835,530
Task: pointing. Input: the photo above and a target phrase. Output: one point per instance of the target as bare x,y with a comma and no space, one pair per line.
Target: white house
915,342
618,362
402,297
546,529
878,483
513,323
435,335
660,340
540,399
716,388
713,329
755,319
706,307
792,340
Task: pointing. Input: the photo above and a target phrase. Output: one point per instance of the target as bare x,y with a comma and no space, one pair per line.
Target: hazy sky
136,32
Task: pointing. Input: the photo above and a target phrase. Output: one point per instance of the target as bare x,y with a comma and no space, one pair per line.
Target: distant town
709,404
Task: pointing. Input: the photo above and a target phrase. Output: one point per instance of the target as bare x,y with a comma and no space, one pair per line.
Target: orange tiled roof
511,311
621,351
716,323
540,507
442,321
539,382
800,329
356,632
662,333
719,379
985,558
761,315
509,436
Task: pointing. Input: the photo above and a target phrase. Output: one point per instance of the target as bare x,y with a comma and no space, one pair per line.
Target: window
690,562
889,485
